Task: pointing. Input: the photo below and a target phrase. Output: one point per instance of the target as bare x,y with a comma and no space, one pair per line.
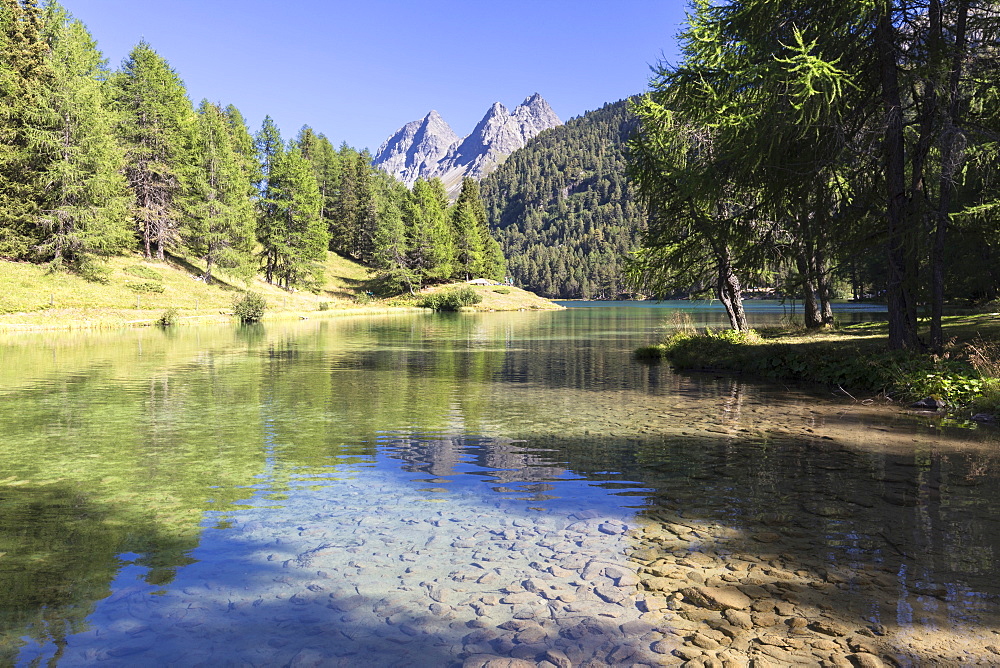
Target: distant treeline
564,210
95,162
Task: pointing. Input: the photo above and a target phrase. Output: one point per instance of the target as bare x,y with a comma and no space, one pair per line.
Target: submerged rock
717,598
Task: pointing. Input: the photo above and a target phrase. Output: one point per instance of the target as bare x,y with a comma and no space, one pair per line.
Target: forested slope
563,209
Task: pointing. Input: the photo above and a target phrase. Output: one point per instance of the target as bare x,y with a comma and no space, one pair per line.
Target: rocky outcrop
415,149
430,148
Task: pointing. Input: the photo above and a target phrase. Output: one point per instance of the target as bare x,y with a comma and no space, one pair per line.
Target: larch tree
804,92
302,239
87,203
220,209
270,150
27,124
429,238
158,127
468,219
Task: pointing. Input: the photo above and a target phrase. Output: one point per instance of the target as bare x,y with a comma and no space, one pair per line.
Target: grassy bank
854,359
131,291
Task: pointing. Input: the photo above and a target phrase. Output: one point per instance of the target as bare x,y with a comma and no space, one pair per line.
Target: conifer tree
390,257
428,231
468,221
221,228
318,150
86,208
366,209
157,126
494,264
243,144
302,238
26,122
270,149
342,224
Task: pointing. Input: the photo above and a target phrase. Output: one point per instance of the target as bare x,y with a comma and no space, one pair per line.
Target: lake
449,490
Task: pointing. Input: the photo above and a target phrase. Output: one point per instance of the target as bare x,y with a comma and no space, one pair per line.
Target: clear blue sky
357,70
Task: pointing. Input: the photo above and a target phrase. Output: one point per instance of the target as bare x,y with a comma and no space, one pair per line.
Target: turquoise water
423,489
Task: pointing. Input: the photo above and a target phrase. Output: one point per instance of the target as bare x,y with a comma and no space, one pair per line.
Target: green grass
130,290
855,359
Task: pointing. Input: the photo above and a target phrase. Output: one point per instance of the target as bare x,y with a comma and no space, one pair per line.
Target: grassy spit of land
134,292
965,377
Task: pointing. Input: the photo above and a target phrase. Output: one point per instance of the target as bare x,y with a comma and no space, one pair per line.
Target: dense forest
809,139
564,210
95,162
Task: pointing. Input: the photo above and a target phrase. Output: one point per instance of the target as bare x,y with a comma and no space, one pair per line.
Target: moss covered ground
854,359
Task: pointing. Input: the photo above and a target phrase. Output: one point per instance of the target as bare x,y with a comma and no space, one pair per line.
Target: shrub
95,272
363,298
145,286
324,306
168,318
502,291
249,307
143,272
451,300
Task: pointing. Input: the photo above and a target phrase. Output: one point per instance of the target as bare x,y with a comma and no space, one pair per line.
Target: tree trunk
730,292
812,317
823,289
900,298
951,145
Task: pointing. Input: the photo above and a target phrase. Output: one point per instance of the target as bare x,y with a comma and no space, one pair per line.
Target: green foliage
291,232
220,210
158,127
145,286
324,306
502,291
86,211
143,272
95,272
451,300
27,125
168,318
429,240
564,211
903,375
249,307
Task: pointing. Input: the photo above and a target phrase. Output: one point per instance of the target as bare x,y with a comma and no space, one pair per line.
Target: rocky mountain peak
429,148
416,147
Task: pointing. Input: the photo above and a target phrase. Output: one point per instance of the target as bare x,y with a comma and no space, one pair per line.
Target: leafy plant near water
957,377
451,300
249,307
168,318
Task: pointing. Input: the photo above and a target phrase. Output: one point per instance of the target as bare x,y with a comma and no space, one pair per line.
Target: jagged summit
416,148
429,147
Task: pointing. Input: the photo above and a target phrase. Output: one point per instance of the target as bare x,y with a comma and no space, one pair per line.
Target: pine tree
87,203
221,215
158,127
26,122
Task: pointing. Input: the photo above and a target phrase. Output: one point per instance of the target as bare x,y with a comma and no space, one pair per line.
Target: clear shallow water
380,489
